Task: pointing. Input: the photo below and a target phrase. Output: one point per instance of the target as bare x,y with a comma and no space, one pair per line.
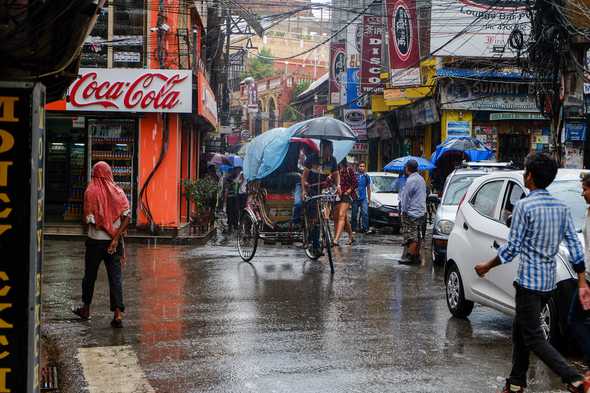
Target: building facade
143,104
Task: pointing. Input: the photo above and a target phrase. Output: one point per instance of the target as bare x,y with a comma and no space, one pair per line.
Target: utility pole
226,89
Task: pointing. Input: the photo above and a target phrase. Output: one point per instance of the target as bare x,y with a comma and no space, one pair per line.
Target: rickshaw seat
283,184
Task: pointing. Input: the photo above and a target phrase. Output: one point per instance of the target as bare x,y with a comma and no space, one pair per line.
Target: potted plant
202,193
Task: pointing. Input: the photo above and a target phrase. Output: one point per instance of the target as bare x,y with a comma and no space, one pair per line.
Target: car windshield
384,184
457,188
570,192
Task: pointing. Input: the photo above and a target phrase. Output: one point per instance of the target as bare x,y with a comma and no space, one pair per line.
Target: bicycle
322,207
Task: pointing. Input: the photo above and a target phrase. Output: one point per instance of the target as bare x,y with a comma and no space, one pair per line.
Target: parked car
482,226
384,206
455,187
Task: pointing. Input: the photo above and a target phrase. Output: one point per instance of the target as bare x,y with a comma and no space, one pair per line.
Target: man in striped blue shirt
540,223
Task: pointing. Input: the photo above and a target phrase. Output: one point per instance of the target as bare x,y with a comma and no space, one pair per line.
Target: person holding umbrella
230,196
320,172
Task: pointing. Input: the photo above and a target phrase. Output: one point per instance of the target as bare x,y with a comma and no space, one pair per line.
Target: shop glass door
65,166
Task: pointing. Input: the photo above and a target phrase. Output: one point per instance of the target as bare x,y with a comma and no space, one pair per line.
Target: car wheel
550,325
456,302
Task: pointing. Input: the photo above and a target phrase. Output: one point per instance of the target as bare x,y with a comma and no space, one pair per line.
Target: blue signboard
575,132
352,88
458,128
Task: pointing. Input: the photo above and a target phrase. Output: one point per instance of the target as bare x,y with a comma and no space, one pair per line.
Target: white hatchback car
482,225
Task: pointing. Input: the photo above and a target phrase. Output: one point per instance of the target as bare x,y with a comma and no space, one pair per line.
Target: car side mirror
434,199
509,221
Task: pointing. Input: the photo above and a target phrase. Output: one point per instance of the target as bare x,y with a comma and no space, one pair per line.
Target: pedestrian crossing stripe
113,370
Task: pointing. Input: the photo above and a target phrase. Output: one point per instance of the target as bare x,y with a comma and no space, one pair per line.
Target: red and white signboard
131,90
337,73
372,54
404,51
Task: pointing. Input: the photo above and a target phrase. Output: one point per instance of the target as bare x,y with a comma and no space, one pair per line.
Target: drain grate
49,379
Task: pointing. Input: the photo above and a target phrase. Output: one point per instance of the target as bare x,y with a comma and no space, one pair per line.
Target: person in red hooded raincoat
106,211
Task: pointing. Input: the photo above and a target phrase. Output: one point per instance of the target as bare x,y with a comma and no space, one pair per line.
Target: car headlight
445,227
375,204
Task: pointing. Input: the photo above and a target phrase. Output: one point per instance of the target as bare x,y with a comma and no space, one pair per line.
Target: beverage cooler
113,141
74,144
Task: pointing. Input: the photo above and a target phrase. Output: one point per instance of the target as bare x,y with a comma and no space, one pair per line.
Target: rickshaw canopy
267,152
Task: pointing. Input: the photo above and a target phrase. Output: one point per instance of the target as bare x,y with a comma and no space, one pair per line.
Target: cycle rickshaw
271,164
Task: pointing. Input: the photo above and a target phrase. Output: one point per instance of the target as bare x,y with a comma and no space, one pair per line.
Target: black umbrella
324,128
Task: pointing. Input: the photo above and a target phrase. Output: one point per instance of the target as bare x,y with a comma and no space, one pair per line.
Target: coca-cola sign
131,90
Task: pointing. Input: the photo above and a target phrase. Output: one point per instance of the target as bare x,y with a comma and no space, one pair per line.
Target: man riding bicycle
320,172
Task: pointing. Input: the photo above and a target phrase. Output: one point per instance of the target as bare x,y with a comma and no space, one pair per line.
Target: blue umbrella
472,147
398,164
235,161
225,168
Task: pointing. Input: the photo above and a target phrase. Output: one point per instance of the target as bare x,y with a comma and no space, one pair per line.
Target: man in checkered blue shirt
540,223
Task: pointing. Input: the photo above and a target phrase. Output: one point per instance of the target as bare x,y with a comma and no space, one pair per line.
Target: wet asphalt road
200,320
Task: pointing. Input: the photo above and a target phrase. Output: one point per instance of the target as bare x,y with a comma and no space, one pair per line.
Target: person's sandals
117,323
350,242
82,312
583,387
512,389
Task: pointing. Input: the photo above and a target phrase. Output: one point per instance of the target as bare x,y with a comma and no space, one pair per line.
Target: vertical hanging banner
252,89
404,51
337,72
372,55
352,88
353,61
353,45
22,149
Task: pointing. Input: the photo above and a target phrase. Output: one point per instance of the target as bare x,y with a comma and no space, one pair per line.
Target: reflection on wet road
198,319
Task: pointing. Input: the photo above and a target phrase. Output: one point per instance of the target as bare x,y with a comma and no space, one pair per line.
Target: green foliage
202,192
260,67
290,114
300,88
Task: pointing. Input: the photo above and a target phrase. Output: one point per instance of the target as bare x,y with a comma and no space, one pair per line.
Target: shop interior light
79,144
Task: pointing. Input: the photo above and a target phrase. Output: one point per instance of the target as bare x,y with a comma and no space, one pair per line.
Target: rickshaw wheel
328,244
247,236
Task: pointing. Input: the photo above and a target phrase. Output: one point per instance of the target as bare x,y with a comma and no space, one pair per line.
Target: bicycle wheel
327,241
247,236
307,245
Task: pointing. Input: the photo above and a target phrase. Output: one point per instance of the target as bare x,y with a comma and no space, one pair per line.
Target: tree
291,114
260,67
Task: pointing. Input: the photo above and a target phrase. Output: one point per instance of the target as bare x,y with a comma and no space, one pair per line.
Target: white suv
482,226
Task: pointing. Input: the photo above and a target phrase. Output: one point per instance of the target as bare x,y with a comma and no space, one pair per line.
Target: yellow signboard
378,104
405,96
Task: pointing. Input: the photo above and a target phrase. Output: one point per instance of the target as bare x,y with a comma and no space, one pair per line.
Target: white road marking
113,370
